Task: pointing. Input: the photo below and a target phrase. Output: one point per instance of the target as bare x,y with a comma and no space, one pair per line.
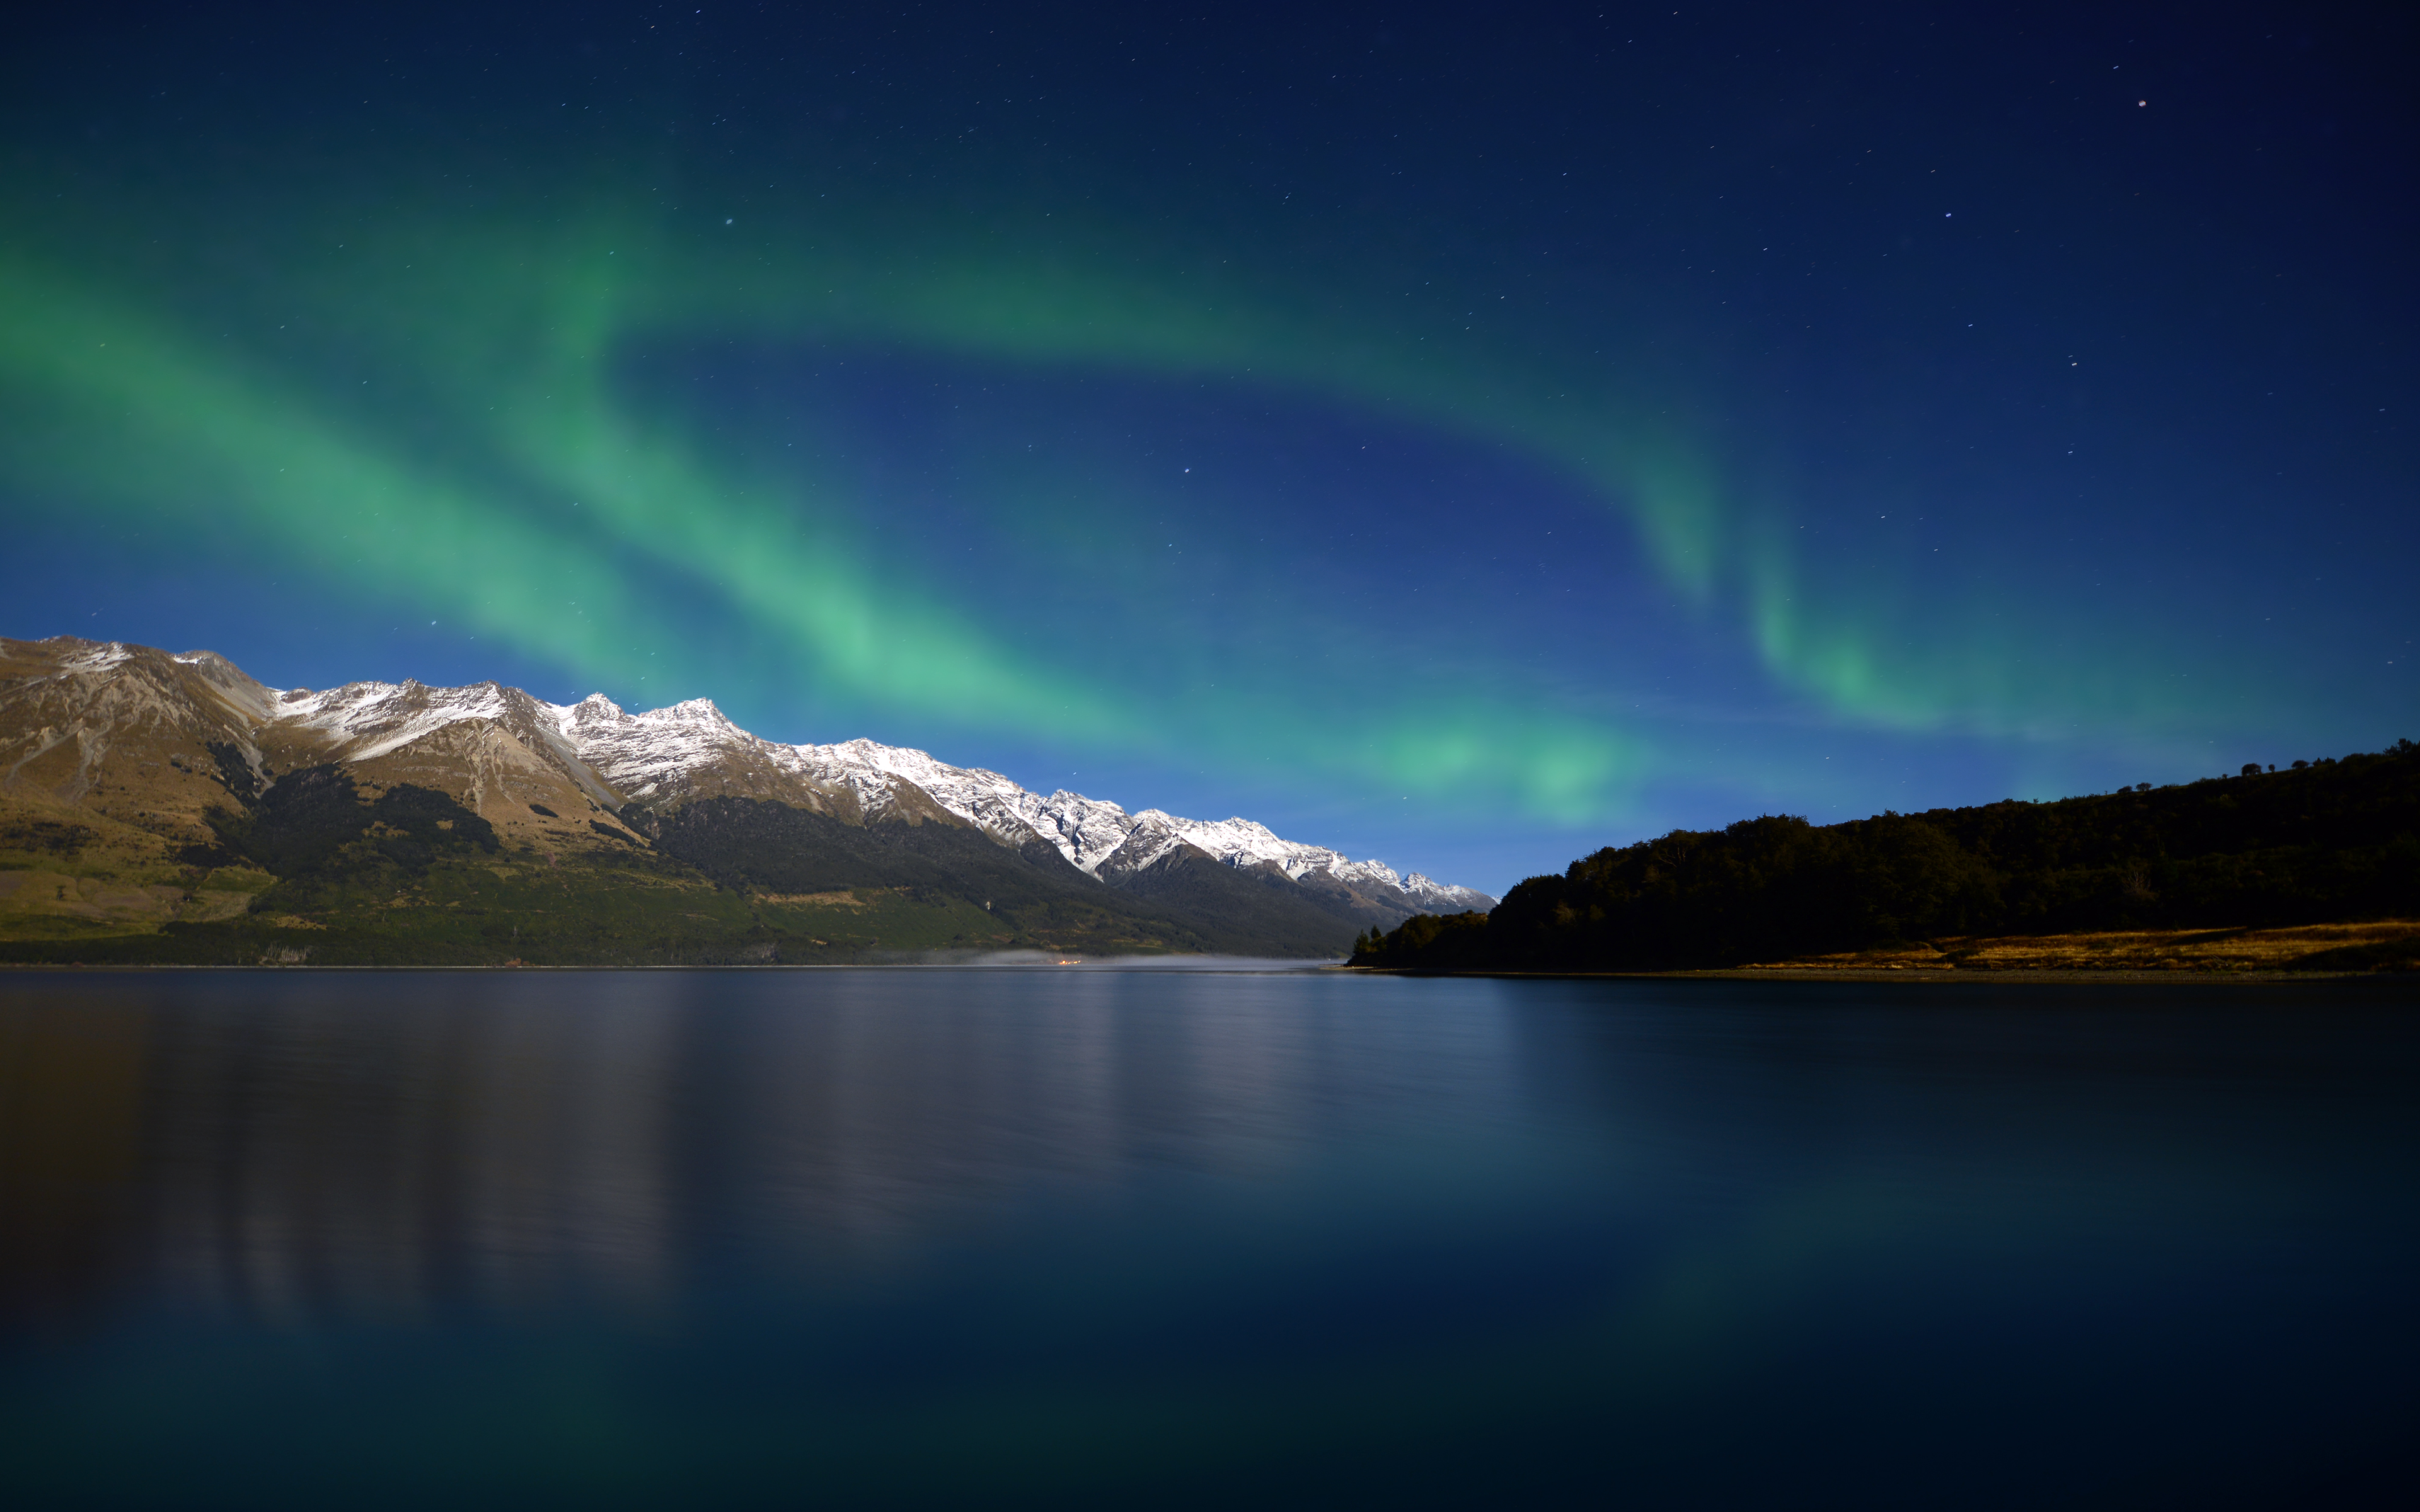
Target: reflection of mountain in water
377,1146
944,1238
312,1161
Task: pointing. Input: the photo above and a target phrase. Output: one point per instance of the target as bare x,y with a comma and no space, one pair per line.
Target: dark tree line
2329,841
315,823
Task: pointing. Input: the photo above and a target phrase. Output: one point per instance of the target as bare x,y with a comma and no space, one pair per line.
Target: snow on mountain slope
876,775
1436,897
366,720
657,758
1093,834
665,756
1088,831
661,757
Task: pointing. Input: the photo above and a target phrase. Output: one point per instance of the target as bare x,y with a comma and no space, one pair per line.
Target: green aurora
422,382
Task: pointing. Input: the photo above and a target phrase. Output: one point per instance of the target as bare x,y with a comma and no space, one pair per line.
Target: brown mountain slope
171,798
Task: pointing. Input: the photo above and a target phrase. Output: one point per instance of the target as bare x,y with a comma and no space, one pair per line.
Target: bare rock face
1103,840
128,733
145,742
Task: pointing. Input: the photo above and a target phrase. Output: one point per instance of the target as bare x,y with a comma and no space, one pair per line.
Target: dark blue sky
1464,437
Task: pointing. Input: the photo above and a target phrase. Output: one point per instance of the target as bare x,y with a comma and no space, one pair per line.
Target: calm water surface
1145,1239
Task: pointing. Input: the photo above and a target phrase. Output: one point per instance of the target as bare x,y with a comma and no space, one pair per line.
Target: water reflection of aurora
929,1234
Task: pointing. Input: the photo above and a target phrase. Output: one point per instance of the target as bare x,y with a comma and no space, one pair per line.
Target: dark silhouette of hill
2330,841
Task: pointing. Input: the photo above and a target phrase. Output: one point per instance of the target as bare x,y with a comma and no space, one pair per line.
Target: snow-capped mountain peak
366,720
662,759
1093,833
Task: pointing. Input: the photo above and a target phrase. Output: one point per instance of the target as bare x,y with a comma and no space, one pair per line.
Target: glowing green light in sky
489,463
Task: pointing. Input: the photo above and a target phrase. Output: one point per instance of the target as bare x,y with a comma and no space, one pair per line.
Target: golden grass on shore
2382,945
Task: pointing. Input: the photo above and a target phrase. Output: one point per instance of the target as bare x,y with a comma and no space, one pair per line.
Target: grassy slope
325,873
1277,920
1034,895
2374,945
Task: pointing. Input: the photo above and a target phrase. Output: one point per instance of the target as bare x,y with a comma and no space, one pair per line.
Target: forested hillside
2333,840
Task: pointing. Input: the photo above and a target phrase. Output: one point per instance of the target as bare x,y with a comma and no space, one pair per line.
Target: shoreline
1904,976
2017,976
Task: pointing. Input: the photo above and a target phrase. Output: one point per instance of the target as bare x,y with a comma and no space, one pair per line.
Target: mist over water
1119,1238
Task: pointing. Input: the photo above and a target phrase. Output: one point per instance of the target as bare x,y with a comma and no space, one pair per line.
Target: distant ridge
2144,878
133,743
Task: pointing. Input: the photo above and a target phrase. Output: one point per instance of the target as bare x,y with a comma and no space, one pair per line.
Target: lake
1151,1238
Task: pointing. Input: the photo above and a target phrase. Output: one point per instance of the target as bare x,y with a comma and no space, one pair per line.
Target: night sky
1462,435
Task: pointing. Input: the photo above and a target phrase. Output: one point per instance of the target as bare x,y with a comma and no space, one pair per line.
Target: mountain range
166,807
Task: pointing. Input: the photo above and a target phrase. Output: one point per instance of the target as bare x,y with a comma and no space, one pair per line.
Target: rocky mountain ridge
156,741
662,756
